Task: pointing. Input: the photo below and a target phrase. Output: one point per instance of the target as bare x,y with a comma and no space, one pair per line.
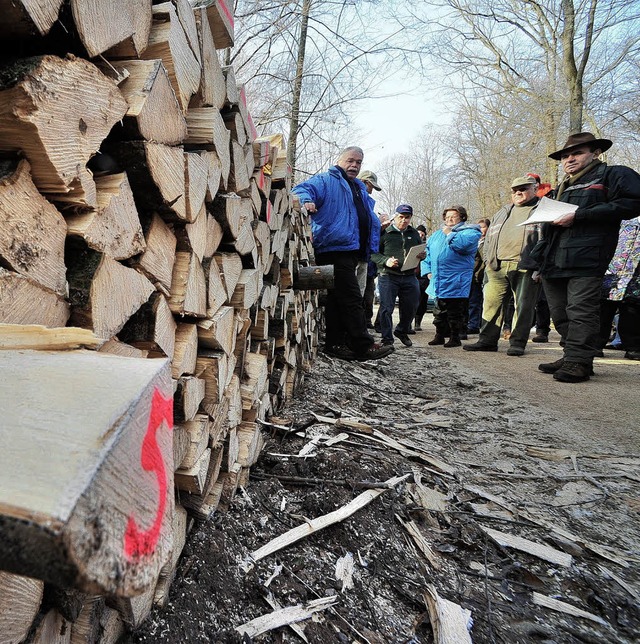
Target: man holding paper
401,249
509,269
578,245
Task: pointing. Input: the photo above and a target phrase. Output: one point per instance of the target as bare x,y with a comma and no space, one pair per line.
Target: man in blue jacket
344,231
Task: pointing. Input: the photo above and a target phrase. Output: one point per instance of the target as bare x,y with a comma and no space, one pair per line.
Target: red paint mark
252,127
268,211
227,12
261,179
137,542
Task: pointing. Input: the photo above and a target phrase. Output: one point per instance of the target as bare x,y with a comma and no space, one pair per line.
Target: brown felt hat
582,138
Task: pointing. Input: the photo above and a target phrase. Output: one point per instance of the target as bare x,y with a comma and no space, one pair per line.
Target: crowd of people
576,263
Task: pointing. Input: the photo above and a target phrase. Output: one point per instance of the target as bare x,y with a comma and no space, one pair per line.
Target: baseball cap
371,177
404,209
522,181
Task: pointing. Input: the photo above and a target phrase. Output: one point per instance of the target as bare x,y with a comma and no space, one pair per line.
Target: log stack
139,206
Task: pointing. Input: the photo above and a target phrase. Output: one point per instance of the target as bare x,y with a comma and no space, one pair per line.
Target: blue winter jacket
335,227
450,260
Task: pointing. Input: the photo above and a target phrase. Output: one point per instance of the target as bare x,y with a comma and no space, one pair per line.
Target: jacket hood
465,225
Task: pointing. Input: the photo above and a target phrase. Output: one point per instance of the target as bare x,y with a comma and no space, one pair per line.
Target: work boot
553,367
540,337
515,351
438,338
573,372
480,347
454,341
340,351
375,352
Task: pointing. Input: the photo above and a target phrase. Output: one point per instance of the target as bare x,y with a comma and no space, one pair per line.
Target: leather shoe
554,367
573,372
374,352
437,339
404,338
479,347
340,351
515,351
540,337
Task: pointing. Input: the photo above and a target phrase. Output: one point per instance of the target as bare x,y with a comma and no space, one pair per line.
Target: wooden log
169,42
256,198
53,628
219,428
245,244
233,122
122,17
188,286
113,627
187,18
104,293
313,277
156,173
214,178
212,366
198,504
239,176
261,152
113,228
26,18
230,211
135,610
186,350
232,394
86,628
250,443
213,89
220,15
218,331
156,262
57,112
247,289
186,401
230,266
153,111
216,293
117,348
206,127
32,231
20,599
193,237
151,328
233,95
193,479
196,181
167,574
249,126
198,432
53,524
213,235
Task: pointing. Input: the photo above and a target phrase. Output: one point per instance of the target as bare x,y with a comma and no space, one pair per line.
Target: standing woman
475,295
449,266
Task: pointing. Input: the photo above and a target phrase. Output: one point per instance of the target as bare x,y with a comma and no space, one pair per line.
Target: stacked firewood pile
138,203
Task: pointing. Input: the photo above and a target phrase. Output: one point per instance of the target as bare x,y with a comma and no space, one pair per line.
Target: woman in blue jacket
449,266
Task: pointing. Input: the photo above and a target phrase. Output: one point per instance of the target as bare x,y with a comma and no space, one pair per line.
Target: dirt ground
493,450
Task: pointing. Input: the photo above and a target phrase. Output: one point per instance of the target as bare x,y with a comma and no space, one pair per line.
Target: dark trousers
344,314
543,316
367,298
405,288
449,315
574,303
423,283
475,306
628,322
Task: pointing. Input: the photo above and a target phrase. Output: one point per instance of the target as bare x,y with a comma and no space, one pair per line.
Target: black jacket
605,196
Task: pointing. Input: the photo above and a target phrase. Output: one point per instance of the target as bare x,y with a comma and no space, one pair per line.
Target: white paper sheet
549,210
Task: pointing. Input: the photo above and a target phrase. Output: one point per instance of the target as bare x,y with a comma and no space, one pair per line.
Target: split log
169,42
156,262
233,95
103,25
53,628
187,399
53,524
156,173
231,211
86,628
188,286
261,152
247,289
212,90
218,331
25,302
230,266
193,479
114,227
250,443
25,18
249,126
213,236
152,328
187,19
199,504
186,350
104,294
117,348
113,627
232,394
32,231
239,175
58,112
154,113
135,610
220,15
20,599
233,121
198,432
206,128
196,182
216,293
214,178
245,244
212,366
193,237
167,574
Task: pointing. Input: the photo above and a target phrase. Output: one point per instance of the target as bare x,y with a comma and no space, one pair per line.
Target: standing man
509,269
578,246
370,180
344,229
395,242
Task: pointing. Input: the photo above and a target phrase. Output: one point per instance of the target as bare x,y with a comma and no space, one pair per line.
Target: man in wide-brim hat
577,247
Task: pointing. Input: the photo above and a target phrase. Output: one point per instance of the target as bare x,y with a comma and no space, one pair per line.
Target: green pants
525,296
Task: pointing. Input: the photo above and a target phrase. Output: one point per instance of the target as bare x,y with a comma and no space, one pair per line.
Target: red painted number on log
137,542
